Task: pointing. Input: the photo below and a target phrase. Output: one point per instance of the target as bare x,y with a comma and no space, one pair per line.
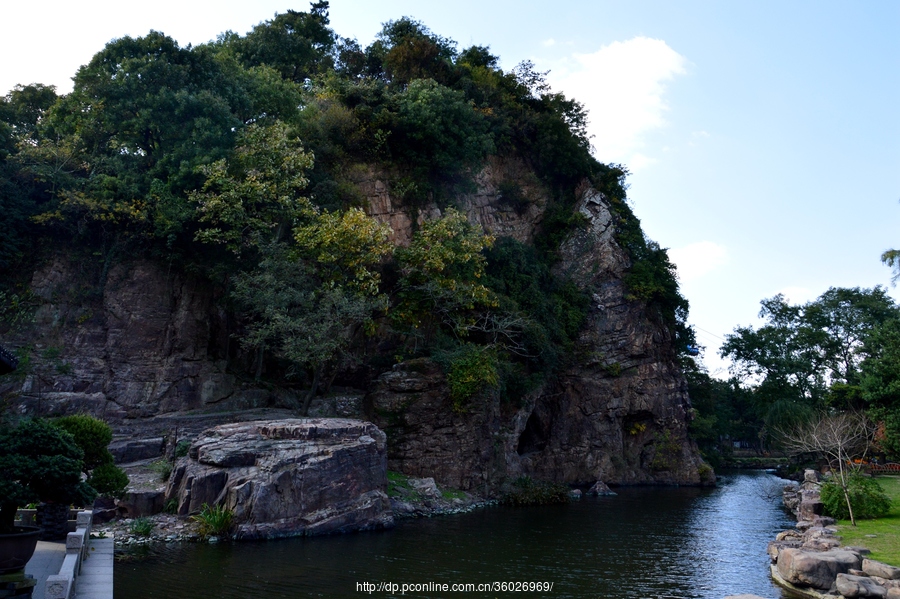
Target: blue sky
763,137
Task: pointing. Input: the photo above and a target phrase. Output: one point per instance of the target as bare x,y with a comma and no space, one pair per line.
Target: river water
646,542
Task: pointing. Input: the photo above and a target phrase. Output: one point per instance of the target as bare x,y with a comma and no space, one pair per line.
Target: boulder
133,450
893,593
600,488
425,487
290,477
815,569
135,504
858,586
873,568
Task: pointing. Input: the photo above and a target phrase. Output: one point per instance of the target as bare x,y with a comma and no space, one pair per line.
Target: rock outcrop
288,477
619,416
145,340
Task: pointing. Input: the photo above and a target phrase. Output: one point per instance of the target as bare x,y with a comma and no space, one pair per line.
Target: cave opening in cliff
534,438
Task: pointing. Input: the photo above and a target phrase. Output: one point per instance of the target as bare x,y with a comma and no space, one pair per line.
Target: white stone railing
62,585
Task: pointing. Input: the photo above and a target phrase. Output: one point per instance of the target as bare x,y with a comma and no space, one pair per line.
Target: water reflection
643,543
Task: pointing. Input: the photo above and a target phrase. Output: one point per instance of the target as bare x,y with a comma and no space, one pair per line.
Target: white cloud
548,42
698,259
622,85
797,295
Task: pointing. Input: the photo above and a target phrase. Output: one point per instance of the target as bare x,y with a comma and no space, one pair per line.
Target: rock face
147,341
288,477
620,416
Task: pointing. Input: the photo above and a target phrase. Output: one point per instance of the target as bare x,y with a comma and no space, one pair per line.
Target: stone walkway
96,579
46,561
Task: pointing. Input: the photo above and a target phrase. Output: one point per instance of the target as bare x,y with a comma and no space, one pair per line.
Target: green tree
253,198
39,462
296,316
441,276
93,436
810,355
347,249
298,45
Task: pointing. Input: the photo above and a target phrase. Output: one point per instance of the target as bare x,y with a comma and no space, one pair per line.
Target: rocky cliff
619,416
151,340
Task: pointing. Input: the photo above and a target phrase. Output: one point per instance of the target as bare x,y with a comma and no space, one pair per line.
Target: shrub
91,434
472,369
181,448
866,496
39,462
142,526
214,520
527,491
109,480
163,468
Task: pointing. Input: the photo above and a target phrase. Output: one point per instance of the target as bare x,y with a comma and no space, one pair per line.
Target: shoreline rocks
811,562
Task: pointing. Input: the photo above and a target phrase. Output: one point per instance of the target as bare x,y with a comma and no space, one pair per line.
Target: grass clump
528,491
142,526
181,448
880,535
399,487
163,468
213,520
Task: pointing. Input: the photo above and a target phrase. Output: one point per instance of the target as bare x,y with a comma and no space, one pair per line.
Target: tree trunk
312,390
7,516
259,361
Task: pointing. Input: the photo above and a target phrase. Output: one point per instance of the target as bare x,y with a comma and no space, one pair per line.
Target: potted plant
38,462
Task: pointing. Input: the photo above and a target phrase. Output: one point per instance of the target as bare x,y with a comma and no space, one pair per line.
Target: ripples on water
645,543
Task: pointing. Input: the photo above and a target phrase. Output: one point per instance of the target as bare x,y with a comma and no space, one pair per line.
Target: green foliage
297,45
181,448
249,199
440,276
346,248
667,451
866,496
39,462
723,412
92,435
171,506
436,131
295,315
528,491
17,309
399,487
472,370
162,468
141,527
213,520
109,480
826,352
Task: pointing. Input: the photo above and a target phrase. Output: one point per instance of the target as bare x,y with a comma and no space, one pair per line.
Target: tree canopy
240,160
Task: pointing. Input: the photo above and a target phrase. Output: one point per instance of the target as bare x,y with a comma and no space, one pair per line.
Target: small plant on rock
214,520
163,468
181,448
141,527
